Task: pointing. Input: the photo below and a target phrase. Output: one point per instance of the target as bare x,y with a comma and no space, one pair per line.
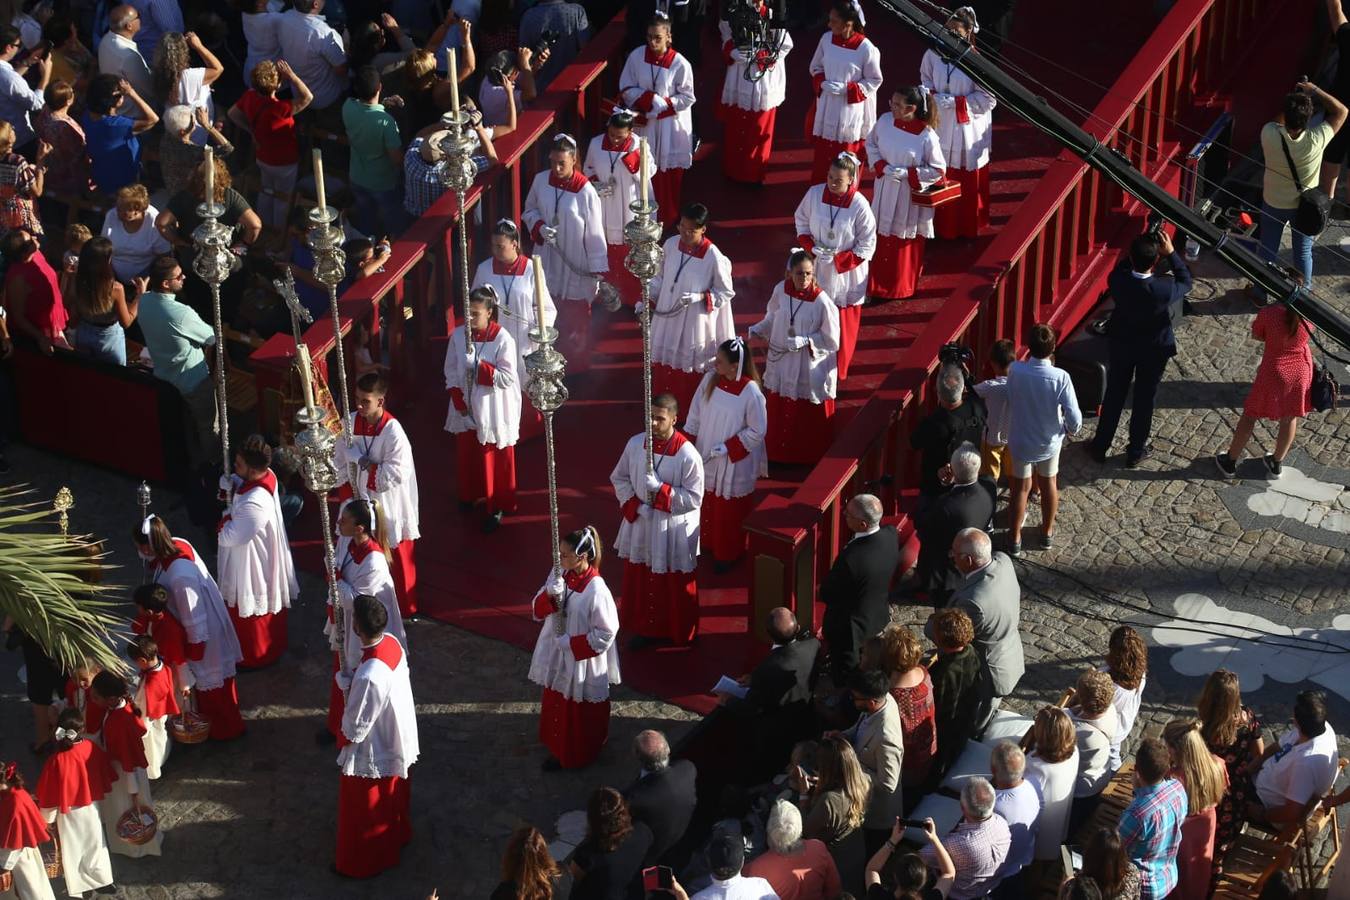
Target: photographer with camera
1141,340
557,30
960,416
509,83
755,49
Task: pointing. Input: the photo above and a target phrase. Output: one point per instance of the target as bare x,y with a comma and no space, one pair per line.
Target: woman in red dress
912,689
1280,391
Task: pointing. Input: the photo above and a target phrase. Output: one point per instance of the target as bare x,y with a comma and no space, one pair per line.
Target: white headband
586,544
508,221
850,157
486,286
793,252
145,524
67,734
857,7
622,111
739,343
564,137
975,26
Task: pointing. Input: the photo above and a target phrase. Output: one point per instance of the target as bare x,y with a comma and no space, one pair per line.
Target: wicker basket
51,859
189,728
138,825
6,881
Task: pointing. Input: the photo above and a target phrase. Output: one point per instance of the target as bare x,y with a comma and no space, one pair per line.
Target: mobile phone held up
656,878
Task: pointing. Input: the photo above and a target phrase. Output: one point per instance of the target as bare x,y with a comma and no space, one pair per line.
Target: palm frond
51,585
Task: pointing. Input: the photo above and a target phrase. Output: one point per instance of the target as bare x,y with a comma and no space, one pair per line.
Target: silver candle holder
547,368
214,262
325,239
457,175
314,444
645,255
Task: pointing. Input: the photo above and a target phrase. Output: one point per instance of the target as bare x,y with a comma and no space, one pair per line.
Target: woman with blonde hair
21,182
912,688
178,221
130,227
528,869
1232,733
1203,776
1127,664
1052,767
271,121
177,80
833,803
101,304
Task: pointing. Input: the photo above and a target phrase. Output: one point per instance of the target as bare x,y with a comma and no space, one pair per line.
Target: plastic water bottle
1192,249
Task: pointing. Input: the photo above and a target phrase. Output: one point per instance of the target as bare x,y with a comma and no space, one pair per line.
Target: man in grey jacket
990,595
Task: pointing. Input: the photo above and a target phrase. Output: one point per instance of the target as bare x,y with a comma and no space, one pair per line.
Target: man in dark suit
856,589
968,503
1141,341
960,416
663,797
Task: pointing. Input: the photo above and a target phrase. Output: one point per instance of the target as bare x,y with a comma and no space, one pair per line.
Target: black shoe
106,889
1097,456
1132,462
492,522
1273,465
551,764
1015,549
1226,464
323,737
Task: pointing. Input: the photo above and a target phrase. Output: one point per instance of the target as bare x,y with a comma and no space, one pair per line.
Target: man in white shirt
17,100
119,55
1019,804
1299,768
726,855
315,53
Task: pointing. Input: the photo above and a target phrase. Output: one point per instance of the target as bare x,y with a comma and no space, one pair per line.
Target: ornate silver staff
548,393
214,262
457,175
645,255
285,287
315,445
143,499
330,267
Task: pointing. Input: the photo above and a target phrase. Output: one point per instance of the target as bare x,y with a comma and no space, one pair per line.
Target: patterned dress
1235,758
917,725
1280,390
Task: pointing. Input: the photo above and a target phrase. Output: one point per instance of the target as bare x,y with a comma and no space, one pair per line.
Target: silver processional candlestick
645,255
315,445
457,175
214,262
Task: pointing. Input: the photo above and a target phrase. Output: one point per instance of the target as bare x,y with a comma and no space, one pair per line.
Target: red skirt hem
574,732
486,472
262,639
403,569
659,606
965,216
749,143
624,281
799,431
850,321
374,823
896,267
220,707
721,525
666,187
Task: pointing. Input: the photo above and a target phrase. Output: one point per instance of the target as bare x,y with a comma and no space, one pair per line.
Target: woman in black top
608,863
957,684
528,871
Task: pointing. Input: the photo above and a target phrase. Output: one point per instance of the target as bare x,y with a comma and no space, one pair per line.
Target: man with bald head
990,595
119,55
856,588
663,797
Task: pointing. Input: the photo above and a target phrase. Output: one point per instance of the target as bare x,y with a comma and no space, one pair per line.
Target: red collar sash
516,268
670,446
844,200
386,650
575,582
366,429
487,334
664,60
608,145
269,480
359,552
697,252
184,552
733,387
807,295
852,42
912,126
575,182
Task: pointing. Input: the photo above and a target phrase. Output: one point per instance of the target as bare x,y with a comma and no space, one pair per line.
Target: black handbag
1314,206
1324,390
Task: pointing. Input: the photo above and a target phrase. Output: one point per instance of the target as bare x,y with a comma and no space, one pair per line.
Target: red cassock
896,267
78,698
167,633
255,572
76,777
21,822
158,697
123,733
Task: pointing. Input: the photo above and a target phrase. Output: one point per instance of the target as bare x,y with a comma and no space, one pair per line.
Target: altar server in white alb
801,327
965,133
613,164
74,779
691,312
484,414
906,157
835,222
754,88
195,601
658,536
659,83
384,464
23,831
576,659
124,732
362,568
566,224
846,75
727,422
257,575
378,745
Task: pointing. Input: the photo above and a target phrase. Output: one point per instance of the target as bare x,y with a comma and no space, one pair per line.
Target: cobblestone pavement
255,818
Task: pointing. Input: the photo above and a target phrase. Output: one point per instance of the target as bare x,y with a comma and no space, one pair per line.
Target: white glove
719,450
689,298
659,104
824,254
838,88
604,189
653,483
644,510
226,483
565,644
548,233
800,342
344,681
556,585
738,55
946,101
897,173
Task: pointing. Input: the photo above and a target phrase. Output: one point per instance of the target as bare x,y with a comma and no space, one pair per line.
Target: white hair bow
66,734
857,7
739,343
850,157
145,524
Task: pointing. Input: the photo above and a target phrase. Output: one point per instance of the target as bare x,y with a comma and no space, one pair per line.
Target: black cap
726,854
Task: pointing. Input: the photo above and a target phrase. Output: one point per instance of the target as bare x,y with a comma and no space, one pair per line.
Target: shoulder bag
1314,206
1324,391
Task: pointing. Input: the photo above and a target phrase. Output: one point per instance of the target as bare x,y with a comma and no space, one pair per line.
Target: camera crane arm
1111,163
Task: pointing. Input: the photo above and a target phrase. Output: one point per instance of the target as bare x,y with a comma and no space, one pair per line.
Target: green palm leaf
51,585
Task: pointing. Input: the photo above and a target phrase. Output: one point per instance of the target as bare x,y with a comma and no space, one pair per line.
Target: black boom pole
1118,169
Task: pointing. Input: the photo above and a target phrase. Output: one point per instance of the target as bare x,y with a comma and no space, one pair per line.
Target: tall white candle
538,293
642,169
302,353
318,179
209,160
453,74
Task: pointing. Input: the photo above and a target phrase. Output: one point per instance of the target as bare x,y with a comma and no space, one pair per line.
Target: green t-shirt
372,133
175,336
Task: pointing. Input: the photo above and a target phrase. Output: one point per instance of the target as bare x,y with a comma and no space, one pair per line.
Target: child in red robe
22,829
73,781
77,696
155,620
124,741
156,698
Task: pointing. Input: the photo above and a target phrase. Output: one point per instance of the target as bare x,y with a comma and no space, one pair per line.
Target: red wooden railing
1046,264
420,276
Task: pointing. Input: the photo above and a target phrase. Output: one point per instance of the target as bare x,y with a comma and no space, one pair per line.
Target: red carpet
485,583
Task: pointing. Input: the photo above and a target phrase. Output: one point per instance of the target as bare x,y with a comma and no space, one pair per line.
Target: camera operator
1141,340
558,27
513,72
960,416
